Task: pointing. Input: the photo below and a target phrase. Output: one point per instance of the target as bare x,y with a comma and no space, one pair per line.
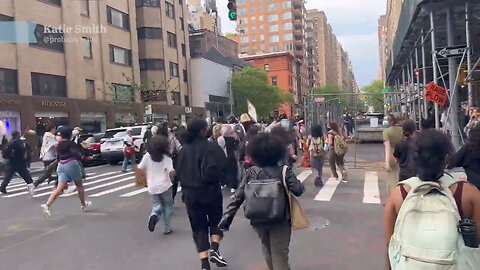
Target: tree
375,97
334,92
252,84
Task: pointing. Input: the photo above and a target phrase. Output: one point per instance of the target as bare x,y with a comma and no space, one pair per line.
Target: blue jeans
163,205
127,160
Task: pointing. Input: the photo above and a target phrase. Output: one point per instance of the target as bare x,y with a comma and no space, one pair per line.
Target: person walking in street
391,136
336,151
128,151
48,151
230,149
431,221
158,167
316,148
202,164
403,152
468,157
16,156
266,151
174,147
68,170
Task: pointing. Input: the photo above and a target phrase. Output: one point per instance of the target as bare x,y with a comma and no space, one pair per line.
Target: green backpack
426,235
340,145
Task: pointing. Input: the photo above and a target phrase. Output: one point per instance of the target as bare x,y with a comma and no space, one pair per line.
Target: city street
346,222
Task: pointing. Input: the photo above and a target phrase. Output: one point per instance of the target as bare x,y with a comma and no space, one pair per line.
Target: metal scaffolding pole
424,76
469,56
404,90
411,85
434,63
452,78
398,98
418,85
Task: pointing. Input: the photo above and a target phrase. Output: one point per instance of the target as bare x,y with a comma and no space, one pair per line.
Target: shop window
170,10
172,40
176,98
84,8
53,2
152,64
123,93
48,85
149,33
118,19
173,69
90,88
120,56
48,38
8,81
147,3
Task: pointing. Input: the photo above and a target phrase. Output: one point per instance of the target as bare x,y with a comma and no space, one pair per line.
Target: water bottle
468,230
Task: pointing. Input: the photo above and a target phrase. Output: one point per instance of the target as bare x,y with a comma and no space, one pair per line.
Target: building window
170,10
260,9
287,26
123,93
47,39
287,4
53,2
272,7
262,47
184,50
274,38
273,48
187,101
287,15
87,43
262,37
149,33
244,49
253,20
242,11
253,29
288,36
147,3
254,38
176,98
180,2
8,81
261,28
172,40
118,19
152,64
90,88
252,10
182,24
266,67
273,28
242,30
84,8
244,39
48,85
272,18
185,75
274,80
242,21
260,18
173,69
120,56
288,47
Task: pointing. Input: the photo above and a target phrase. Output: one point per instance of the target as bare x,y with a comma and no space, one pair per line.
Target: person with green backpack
316,148
431,220
337,150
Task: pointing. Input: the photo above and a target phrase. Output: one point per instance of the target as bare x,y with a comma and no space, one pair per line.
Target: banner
436,94
252,111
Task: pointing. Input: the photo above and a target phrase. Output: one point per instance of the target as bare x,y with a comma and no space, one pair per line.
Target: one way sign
456,51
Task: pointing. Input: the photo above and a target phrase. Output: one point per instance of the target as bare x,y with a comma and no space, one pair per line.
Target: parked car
91,149
111,145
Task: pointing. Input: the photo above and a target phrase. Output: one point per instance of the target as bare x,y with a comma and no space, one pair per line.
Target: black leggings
204,219
21,169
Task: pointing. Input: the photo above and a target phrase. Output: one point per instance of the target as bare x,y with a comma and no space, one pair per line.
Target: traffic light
232,10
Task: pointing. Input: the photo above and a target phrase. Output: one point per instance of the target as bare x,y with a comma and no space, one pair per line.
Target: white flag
252,111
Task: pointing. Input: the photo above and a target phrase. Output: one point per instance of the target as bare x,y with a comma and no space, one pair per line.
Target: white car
112,143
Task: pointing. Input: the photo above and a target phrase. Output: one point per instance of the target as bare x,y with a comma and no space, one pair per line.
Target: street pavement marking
112,190
33,238
102,186
24,186
371,194
135,192
325,194
304,175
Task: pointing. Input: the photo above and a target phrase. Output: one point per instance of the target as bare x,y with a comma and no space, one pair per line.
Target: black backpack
265,199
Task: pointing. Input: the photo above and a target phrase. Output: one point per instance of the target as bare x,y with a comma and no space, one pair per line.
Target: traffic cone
306,160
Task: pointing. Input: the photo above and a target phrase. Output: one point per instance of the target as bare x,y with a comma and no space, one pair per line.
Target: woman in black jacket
266,150
468,156
202,164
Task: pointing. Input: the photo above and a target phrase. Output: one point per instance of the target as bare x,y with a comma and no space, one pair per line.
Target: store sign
188,110
9,102
436,94
54,103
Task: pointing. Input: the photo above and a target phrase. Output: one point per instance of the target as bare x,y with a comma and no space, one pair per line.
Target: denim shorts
69,170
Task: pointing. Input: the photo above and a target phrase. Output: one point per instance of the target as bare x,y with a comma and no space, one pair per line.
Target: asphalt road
346,231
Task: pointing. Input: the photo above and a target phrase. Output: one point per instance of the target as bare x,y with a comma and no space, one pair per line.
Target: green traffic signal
232,15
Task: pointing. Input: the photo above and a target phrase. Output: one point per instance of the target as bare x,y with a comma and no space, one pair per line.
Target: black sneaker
216,258
3,190
152,222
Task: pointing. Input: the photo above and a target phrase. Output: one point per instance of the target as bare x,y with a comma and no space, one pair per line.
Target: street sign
455,51
319,99
385,91
436,94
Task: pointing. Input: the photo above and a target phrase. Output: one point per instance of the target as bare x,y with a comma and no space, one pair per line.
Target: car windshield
120,134
113,133
136,131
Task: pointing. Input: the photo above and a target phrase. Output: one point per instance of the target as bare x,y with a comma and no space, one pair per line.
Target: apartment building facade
89,59
382,46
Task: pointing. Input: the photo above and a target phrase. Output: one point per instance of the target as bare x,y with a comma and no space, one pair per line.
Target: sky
355,23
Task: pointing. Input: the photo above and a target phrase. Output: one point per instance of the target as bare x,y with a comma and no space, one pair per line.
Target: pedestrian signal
232,10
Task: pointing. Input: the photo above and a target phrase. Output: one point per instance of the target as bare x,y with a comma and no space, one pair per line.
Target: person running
403,152
266,151
202,163
48,151
174,148
468,157
16,156
128,151
316,148
288,138
421,229
334,159
68,170
230,149
158,167
391,136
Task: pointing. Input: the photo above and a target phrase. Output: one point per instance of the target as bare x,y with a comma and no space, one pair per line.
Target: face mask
385,123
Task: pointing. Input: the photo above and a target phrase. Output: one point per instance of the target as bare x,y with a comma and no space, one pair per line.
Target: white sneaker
87,205
70,189
31,189
46,210
232,190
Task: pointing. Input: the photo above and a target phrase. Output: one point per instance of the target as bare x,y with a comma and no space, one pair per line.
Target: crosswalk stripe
371,194
325,194
24,186
112,190
135,192
304,175
102,186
